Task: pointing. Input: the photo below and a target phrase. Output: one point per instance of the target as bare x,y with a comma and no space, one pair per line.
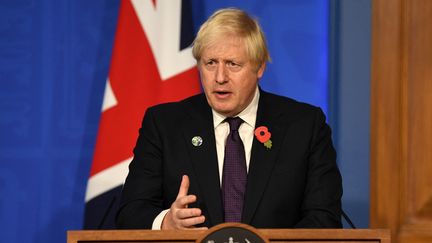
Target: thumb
184,186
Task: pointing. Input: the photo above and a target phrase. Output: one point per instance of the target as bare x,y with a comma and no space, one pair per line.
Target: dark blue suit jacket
295,184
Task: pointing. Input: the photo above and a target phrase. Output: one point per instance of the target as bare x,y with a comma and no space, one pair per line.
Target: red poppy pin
263,135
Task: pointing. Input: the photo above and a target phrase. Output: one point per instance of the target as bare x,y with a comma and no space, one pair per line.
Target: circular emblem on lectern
232,233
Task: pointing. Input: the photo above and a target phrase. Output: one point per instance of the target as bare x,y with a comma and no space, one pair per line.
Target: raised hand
179,215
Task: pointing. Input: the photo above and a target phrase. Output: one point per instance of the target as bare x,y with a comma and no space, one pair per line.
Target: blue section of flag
100,212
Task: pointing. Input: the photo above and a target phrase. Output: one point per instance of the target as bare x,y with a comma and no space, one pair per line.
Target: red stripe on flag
136,84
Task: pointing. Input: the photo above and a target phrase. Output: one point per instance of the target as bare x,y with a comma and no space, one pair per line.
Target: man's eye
210,63
233,66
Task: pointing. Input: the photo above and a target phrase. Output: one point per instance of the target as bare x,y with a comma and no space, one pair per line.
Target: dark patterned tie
234,173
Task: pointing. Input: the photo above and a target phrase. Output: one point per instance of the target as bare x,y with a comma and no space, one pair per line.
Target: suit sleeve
321,206
141,199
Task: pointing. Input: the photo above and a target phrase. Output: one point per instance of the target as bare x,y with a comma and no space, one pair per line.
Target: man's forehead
226,48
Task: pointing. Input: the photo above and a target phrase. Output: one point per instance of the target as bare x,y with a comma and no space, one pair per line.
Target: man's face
228,77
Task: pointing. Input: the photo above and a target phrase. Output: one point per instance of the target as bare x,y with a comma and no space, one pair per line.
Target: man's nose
221,74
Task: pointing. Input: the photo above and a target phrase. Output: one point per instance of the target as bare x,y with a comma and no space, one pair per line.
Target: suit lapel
204,158
262,159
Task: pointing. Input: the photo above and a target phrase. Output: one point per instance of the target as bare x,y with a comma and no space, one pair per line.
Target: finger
191,222
200,228
184,186
188,213
183,202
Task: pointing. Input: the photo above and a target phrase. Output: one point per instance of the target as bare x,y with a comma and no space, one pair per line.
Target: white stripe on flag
109,99
107,179
164,37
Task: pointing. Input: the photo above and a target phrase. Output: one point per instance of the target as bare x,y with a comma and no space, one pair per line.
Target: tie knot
234,122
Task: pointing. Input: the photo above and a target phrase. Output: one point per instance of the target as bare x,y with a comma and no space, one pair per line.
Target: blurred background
54,62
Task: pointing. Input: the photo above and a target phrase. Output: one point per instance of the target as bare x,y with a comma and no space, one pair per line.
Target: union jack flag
151,63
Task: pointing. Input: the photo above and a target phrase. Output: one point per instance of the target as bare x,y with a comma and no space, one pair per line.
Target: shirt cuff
157,222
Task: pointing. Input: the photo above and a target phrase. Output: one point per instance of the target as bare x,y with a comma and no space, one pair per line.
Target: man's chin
225,111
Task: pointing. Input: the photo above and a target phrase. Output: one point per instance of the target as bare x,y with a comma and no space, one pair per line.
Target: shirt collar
248,115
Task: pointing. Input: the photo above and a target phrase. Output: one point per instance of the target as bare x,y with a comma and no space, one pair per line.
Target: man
185,175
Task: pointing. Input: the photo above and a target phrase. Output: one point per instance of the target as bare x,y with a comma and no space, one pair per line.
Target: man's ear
261,69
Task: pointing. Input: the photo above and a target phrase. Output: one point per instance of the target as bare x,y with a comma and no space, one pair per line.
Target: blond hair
233,22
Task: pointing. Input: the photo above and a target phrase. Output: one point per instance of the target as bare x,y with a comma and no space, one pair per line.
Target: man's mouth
222,94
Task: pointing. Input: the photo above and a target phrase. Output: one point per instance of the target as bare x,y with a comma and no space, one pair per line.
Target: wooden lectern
270,235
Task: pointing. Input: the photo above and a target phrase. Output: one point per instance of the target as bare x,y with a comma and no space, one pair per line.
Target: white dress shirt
246,132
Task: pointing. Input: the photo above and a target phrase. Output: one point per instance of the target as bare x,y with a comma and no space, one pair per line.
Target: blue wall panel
350,79
54,57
